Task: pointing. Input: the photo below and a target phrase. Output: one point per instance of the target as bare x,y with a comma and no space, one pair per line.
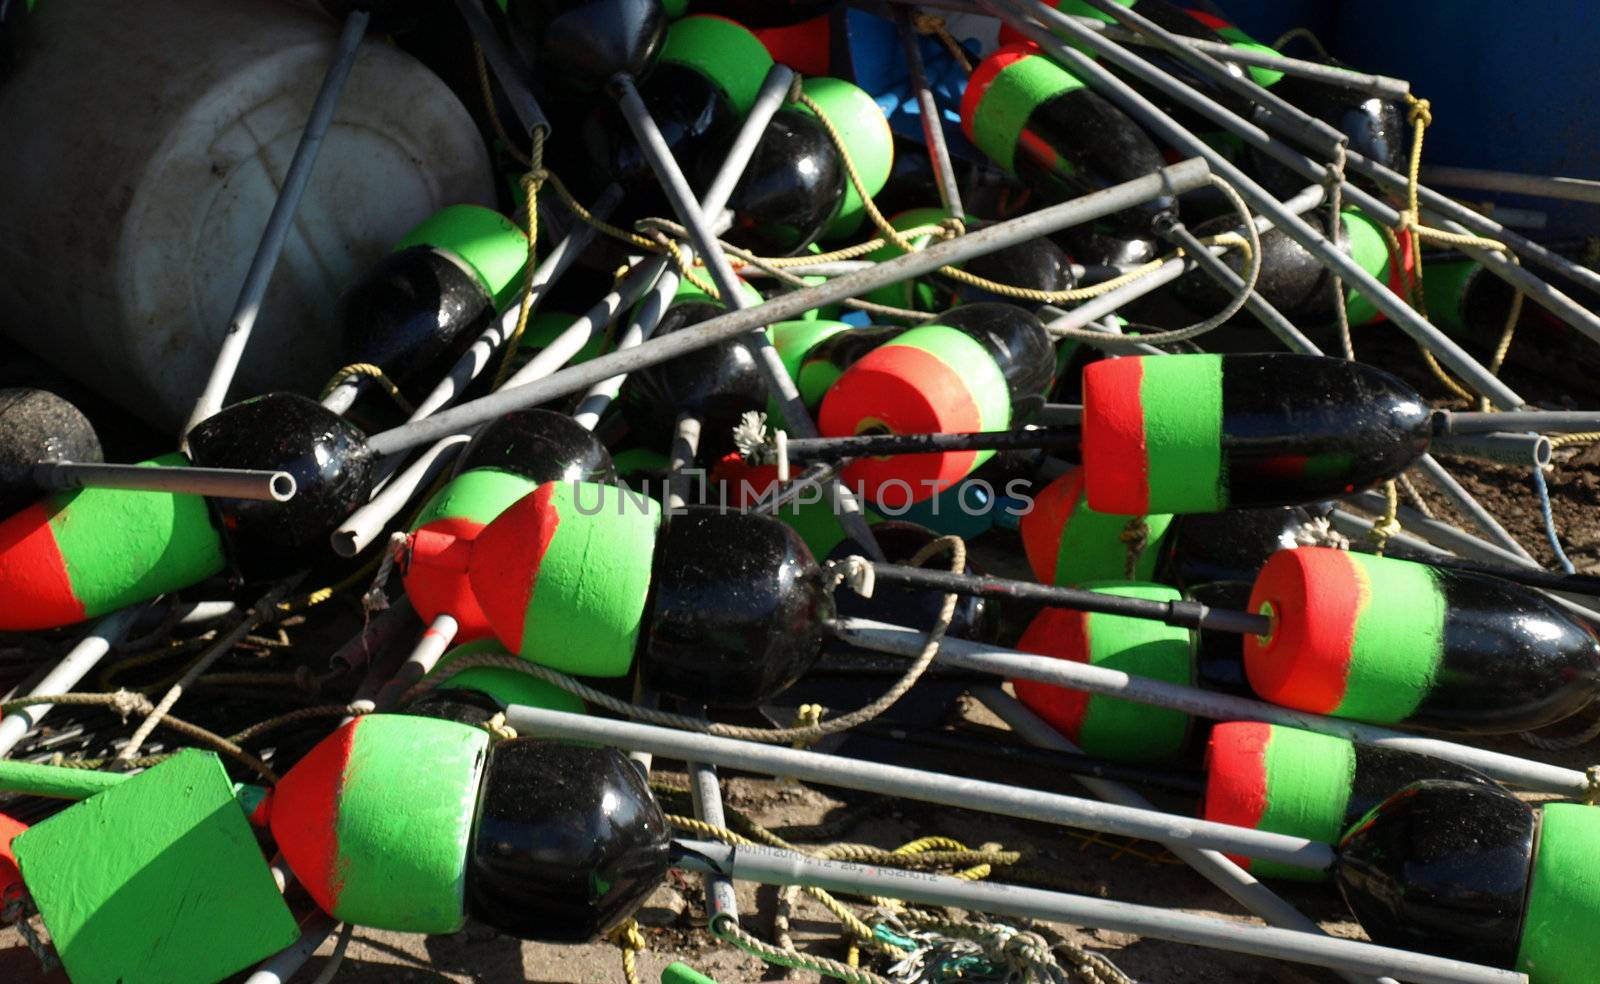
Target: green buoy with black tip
1207,432
865,132
1395,642
507,460
415,312
981,367
1469,871
1101,725
1311,785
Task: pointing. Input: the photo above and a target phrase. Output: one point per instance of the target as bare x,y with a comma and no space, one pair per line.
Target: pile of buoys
837,271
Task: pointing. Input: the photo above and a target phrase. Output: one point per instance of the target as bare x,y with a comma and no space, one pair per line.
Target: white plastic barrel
141,146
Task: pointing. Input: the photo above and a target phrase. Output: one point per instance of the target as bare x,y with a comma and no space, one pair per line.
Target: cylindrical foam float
1068,543
1388,641
1206,432
1109,726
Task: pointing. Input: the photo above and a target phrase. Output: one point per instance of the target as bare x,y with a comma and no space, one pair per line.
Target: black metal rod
881,445
1184,614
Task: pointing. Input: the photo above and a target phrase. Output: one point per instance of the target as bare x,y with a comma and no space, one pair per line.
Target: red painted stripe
35,592
1041,528
984,75
436,576
10,877
1236,776
1315,594
1402,270
1116,462
305,816
1061,634
505,562
803,47
907,390
1210,20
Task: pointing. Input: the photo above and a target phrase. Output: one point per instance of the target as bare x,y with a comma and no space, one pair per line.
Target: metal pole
507,68
1543,421
1009,663
279,222
226,483
287,962
1146,113
944,174
364,525
775,866
779,385
424,657
923,786
73,666
1462,499
1239,884
1539,291
1477,179
1522,450
1173,179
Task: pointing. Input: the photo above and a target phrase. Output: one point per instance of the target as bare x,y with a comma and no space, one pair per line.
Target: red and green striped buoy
80,554
1207,432
1391,641
1068,543
1305,784
1108,726
983,368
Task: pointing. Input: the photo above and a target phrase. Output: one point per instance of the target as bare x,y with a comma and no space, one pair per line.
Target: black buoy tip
543,446
37,425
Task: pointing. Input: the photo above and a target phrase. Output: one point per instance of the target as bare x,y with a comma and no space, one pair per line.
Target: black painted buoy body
577,46
1442,867
1020,346
1036,264
738,609
543,446
328,458
1227,546
566,843
412,316
791,188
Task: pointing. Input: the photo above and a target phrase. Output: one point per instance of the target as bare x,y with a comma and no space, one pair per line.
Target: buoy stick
775,866
436,638
944,174
779,384
1165,128
1174,179
1542,421
1216,868
363,526
1520,450
227,483
1010,664
929,787
1412,323
287,962
880,445
507,68
78,661
1183,613
1478,179
1447,486
279,222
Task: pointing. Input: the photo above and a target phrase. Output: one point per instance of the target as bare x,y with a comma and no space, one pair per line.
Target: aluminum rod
1173,179
424,657
1478,179
507,68
1011,664
287,962
1216,868
1459,497
775,866
779,384
279,222
1145,112
923,786
1522,450
357,532
71,668
1542,421
944,174
226,483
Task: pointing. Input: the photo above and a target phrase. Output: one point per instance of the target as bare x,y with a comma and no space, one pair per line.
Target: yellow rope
373,372
631,942
1389,524
1581,437
531,183
1410,218
313,598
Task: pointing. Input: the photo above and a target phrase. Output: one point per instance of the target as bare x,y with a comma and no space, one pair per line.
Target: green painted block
157,880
